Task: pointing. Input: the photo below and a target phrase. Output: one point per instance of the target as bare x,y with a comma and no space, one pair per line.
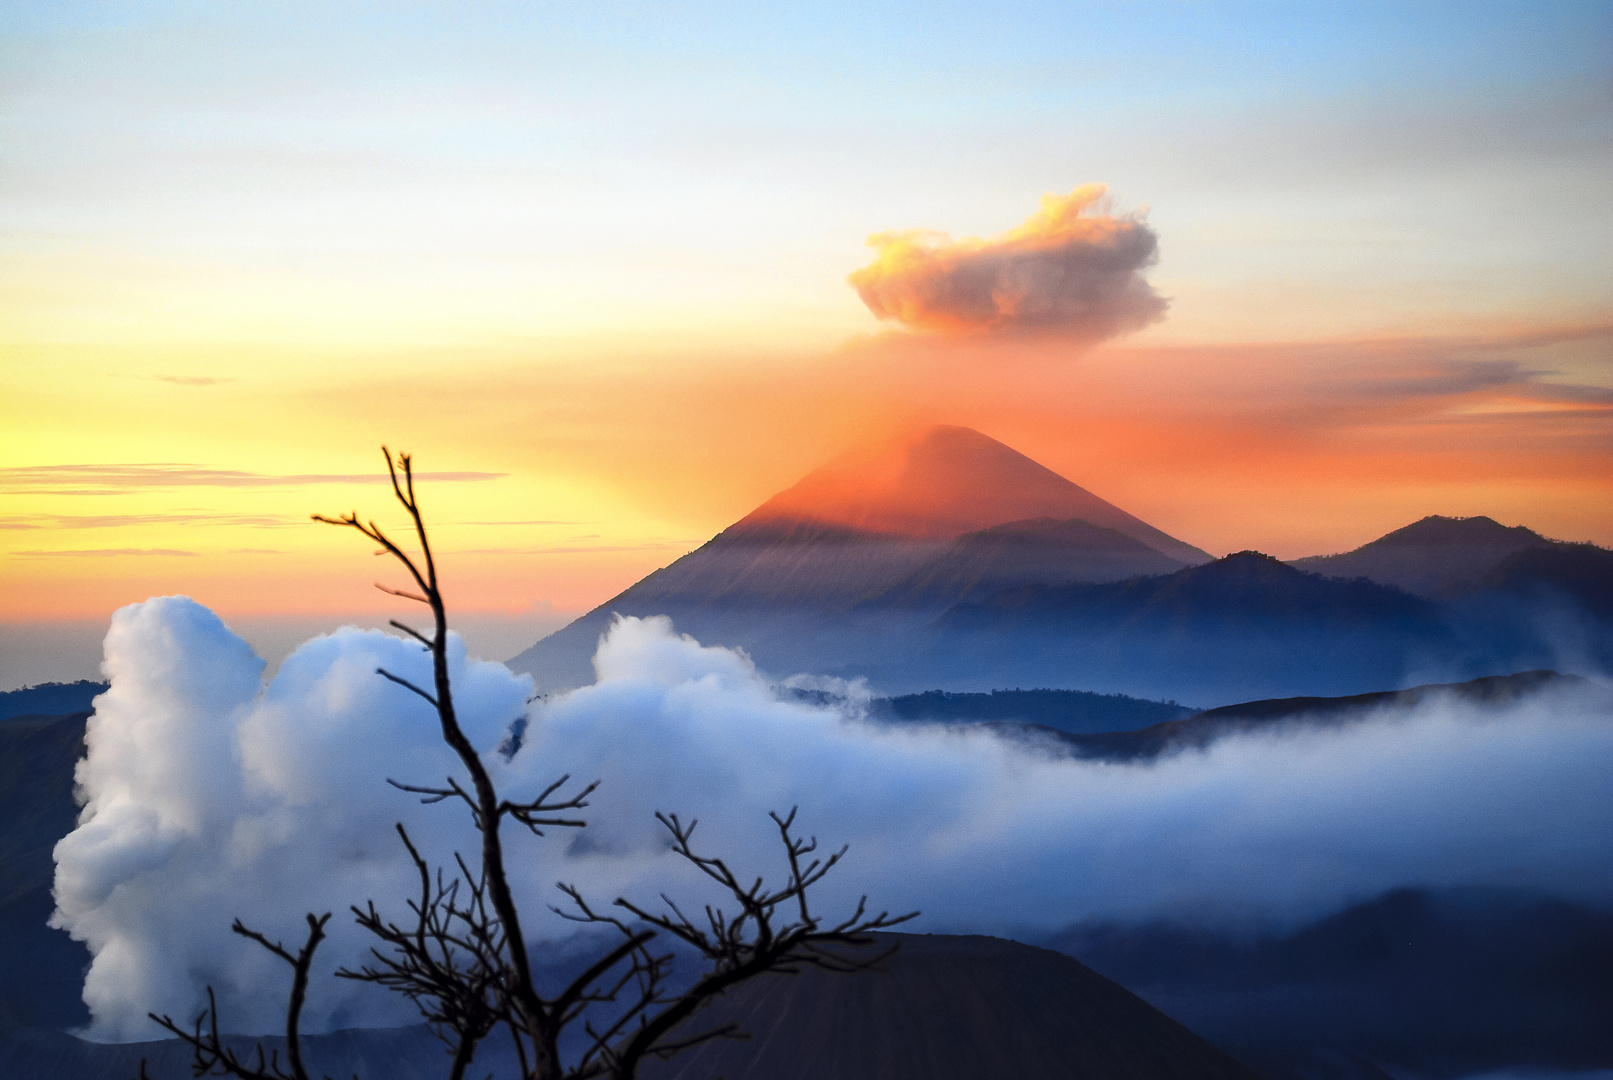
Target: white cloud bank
211,796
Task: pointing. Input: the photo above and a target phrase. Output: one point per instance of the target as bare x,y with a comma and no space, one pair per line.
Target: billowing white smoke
211,797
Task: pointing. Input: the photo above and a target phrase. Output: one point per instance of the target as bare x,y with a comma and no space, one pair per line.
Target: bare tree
462,957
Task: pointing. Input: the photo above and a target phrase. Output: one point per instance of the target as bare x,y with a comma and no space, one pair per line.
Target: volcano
947,482
863,552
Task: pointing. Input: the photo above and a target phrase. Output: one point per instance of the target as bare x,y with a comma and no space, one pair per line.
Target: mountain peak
1435,529
937,485
1435,556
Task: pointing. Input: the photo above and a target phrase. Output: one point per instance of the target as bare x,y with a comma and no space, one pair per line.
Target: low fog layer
211,796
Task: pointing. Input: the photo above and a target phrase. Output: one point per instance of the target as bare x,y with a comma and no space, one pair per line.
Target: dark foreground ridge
942,1008
411,1053
951,1008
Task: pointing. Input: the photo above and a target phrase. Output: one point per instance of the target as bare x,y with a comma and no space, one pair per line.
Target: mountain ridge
838,576
1433,557
899,532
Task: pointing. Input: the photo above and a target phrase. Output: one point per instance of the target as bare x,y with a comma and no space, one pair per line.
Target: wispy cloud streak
100,553
108,479
120,521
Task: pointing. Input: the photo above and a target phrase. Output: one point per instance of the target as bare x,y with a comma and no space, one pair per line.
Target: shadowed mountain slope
950,1007
1242,627
49,699
1040,551
944,1007
1431,983
1581,574
41,970
1437,556
1243,590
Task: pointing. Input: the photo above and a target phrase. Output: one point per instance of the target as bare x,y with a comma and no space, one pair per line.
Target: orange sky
599,473
1265,278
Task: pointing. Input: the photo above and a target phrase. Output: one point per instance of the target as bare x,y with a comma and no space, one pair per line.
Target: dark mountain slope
1438,984
943,1007
1246,589
1241,627
1579,573
1437,556
950,1007
1510,589
42,973
1042,551
411,1053
49,699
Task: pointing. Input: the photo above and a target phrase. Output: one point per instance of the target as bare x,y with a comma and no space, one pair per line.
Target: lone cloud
1071,269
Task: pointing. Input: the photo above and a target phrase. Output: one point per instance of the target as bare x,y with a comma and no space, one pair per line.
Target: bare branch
210,1055
460,953
406,684
400,592
412,632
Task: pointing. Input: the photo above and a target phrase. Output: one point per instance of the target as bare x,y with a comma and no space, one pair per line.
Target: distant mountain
1434,557
864,551
49,699
1245,590
1513,597
953,562
1241,627
1201,729
1579,574
1061,710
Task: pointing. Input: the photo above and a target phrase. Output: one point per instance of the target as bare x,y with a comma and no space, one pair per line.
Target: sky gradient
591,267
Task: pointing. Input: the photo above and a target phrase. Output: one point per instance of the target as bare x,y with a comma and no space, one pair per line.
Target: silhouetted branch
412,632
737,947
461,957
406,684
210,1055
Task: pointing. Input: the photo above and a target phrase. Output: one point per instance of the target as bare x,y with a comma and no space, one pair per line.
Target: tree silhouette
462,957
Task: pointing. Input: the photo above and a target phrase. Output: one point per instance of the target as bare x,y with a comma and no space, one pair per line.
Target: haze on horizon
1264,275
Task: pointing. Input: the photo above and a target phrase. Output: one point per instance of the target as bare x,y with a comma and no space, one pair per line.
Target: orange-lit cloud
1071,268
